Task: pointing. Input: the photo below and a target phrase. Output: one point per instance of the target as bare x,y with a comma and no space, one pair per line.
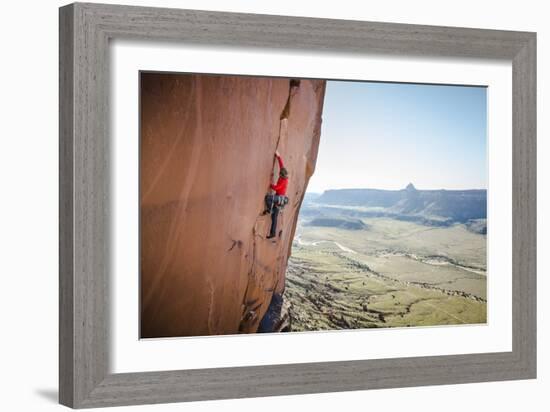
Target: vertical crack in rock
250,316
311,157
293,84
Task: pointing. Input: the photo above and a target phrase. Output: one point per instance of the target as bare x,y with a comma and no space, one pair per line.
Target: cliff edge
206,162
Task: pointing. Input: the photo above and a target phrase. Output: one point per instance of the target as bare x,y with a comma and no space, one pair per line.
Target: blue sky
385,135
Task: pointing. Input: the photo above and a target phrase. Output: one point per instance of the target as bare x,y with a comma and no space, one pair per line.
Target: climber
277,201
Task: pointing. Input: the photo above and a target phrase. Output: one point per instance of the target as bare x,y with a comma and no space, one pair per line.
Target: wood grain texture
524,208
66,229
85,30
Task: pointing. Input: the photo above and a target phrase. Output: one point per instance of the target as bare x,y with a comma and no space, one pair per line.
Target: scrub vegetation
390,273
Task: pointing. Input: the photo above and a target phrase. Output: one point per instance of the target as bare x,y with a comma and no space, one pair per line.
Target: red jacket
282,182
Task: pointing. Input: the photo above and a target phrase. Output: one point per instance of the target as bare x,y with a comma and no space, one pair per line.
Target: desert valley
366,258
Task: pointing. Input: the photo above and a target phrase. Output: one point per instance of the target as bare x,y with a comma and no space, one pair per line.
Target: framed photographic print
257,205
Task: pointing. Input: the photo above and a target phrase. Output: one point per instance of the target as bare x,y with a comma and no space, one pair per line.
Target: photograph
272,204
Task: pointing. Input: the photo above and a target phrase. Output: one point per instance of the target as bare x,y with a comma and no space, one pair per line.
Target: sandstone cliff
207,145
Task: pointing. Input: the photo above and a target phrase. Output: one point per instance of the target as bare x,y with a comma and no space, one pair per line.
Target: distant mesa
432,207
311,197
477,226
338,222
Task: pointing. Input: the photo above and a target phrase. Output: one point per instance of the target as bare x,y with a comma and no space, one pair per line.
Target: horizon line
394,190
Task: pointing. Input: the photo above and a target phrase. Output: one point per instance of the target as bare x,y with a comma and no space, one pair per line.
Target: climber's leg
274,214
268,203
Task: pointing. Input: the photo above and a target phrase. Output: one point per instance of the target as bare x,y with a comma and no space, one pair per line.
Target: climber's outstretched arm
279,159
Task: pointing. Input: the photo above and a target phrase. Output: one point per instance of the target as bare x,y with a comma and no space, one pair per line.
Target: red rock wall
207,146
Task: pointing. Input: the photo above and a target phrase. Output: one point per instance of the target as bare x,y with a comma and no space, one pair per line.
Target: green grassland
393,274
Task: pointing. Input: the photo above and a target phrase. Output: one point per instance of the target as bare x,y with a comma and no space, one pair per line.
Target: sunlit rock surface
206,161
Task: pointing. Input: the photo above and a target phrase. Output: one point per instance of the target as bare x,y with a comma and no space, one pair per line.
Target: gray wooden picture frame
85,31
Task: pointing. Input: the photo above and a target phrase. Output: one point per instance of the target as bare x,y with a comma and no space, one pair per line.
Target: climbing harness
272,201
